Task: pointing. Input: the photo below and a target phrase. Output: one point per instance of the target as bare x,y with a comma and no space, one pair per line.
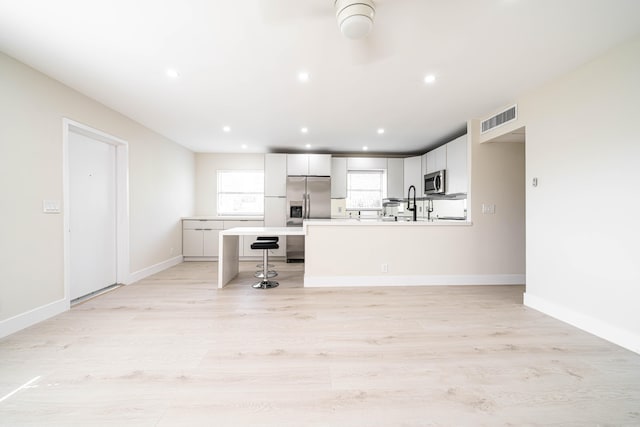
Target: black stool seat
265,244
272,238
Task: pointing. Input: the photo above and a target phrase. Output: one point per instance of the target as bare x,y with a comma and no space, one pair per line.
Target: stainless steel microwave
434,182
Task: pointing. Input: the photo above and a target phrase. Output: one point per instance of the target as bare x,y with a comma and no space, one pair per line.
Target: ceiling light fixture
355,17
172,73
226,129
304,130
380,131
244,146
365,148
303,76
429,78
308,145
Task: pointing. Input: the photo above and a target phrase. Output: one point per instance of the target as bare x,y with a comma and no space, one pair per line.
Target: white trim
433,280
31,317
122,198
156,268
621,337
201,258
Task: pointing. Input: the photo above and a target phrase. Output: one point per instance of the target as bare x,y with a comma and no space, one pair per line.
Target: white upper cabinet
297,164
457,180
395,177
339,178
275,175
320,164
413,175
436,159
309,164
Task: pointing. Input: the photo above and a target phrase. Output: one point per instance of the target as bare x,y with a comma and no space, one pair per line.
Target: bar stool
271,273
265,245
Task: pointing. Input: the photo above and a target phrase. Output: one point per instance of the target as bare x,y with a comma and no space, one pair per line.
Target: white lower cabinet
200,238
192,242
210,242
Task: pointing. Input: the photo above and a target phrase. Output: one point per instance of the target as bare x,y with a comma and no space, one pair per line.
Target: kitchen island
372,252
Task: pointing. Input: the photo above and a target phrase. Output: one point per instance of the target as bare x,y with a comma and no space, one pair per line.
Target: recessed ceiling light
303,76
429,78
308,145
365,148
380,131
226,129
244,146
304,130
173,73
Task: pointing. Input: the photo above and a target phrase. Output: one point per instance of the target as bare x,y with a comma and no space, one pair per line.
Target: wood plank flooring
172,350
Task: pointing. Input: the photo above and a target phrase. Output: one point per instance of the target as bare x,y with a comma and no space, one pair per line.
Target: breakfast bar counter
228,257
351,252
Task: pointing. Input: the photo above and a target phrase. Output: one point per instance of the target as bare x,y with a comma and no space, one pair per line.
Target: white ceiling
239,61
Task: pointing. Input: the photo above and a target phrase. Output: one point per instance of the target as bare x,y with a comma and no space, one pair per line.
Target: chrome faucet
409,208
429,209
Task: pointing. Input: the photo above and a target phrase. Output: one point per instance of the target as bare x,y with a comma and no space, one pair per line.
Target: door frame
122,199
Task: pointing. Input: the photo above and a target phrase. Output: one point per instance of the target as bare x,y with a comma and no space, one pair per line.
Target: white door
92,215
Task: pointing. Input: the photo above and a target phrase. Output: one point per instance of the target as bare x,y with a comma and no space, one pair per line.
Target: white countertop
379,222
263,231
223,218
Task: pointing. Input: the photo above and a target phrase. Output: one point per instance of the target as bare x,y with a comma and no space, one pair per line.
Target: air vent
500,119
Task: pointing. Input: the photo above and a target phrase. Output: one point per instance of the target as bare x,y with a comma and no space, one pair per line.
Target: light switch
489,209
51,206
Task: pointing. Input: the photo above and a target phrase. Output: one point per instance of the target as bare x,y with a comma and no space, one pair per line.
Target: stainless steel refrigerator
308,197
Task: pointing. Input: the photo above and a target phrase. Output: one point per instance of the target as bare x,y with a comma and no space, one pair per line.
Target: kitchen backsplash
441,208
338,208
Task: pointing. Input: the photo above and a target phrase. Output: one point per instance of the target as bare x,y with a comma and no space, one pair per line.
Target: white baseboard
31,317
594,326
200,258
434,280
156,268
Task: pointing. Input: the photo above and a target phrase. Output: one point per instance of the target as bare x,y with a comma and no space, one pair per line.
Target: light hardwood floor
172,350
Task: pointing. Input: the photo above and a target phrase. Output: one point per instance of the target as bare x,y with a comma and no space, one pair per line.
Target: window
240,192
366,189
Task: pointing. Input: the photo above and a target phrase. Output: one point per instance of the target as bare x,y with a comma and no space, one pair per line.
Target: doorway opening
517,184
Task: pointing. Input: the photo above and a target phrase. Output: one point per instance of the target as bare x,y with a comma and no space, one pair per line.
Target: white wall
207,166
161,182
583,256
493,248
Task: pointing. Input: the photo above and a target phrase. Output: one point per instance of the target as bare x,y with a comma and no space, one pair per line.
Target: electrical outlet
384,268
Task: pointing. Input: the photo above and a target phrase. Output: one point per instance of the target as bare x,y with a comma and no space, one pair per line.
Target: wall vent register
502,118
